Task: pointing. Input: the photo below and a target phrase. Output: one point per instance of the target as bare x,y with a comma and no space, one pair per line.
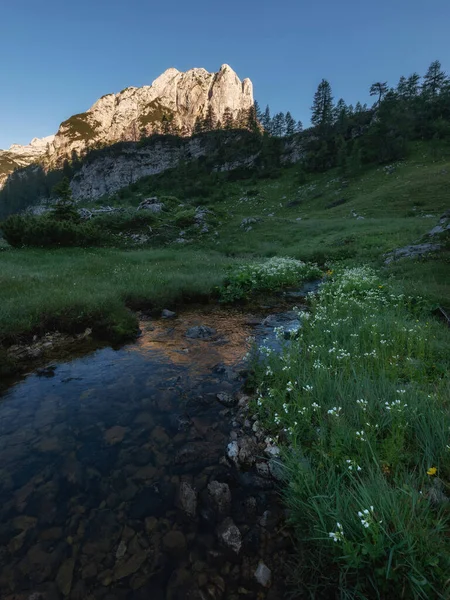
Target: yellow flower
380,286
329,272
432,471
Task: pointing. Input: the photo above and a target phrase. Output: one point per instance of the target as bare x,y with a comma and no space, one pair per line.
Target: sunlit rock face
174,97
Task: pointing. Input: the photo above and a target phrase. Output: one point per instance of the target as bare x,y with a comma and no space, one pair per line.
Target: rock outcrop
21,156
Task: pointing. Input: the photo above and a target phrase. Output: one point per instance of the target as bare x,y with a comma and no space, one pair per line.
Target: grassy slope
83,286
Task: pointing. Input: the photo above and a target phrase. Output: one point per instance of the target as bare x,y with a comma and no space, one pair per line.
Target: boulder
168,314
412,251
151,204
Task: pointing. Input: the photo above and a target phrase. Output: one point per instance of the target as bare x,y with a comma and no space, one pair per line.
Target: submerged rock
220,496
187,499
174,542
229,535
226,399
130,566
200,332
114,435
65,576
263,575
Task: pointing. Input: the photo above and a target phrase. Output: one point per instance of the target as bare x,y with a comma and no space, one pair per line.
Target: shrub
44,231
185,218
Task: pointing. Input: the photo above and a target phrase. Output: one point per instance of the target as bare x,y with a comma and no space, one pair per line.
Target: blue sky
58,57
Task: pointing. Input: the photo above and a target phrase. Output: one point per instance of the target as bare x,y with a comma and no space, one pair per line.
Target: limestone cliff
174,100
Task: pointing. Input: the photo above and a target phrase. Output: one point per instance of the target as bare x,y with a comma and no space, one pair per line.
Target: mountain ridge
175,100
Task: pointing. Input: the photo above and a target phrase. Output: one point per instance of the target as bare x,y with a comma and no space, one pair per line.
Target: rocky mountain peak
175,97
37,147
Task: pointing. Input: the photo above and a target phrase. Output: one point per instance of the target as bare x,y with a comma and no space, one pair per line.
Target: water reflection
92,461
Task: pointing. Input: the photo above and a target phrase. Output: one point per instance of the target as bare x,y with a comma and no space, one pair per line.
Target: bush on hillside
45,231
185,218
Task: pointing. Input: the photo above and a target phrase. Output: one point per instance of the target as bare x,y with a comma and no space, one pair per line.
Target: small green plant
270,275
185,218
64,209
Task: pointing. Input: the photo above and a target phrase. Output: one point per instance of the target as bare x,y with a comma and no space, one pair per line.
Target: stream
115,481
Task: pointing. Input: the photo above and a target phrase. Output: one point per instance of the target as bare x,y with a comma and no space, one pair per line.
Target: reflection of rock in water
114,482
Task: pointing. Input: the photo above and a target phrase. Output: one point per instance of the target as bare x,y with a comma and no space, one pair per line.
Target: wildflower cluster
338,535
352,466
366,517
272,274
355,398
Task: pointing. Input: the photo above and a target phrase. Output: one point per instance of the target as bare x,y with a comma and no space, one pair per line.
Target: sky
59,57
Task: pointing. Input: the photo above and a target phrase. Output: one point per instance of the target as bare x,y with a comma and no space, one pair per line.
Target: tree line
417,108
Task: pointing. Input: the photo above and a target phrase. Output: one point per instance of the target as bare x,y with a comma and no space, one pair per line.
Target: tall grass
361,404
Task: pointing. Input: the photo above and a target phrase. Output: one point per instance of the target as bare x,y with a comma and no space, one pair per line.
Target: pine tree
278,125
64,209
209,123
413,85
289,124
266,121
322,108
299,127
354,161
199,125
434,79
358,108
379,89
165,125
341,120
252,122
258,113
402,87
341,149
241,119
228,119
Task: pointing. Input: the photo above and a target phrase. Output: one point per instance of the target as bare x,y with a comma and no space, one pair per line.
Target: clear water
92,455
